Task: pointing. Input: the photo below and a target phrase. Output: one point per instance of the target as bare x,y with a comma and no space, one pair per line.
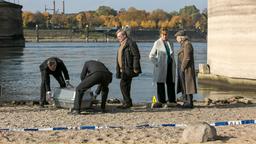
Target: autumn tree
59,21
174,22
148,24
40,19
81,19
188,16
92,19
158,16
201,23
163,23
28,19
105,11
132,14
71,21
47,16
133,24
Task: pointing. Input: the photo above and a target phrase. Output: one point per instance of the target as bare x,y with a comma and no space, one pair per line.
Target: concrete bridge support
231,40
11,31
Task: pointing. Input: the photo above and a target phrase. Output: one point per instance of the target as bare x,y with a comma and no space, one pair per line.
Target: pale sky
74,6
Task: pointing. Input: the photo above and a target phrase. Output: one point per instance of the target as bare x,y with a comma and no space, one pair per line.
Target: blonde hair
164,30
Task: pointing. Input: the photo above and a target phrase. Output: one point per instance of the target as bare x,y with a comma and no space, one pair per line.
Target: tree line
188,17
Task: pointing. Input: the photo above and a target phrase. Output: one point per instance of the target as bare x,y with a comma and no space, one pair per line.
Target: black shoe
187,105
43,103
103,110
74,112
41,106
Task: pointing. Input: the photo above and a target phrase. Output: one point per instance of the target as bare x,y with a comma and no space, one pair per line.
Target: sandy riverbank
34,117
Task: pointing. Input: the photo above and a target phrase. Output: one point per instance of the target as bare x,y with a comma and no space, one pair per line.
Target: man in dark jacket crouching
56,67
93,73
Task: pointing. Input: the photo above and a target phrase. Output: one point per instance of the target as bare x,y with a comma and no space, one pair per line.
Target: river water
20,76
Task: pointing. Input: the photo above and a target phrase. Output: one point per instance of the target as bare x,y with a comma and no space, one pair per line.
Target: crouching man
93,73
56,67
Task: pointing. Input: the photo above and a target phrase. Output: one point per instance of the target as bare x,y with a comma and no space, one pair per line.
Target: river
20,76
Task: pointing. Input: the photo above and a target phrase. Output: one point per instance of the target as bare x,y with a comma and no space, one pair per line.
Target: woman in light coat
162,56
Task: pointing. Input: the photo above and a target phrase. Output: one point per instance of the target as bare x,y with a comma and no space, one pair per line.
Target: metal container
64,98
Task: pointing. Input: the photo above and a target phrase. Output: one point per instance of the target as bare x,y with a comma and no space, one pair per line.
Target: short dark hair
51,62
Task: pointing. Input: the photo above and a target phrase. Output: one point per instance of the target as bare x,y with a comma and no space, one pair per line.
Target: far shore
66,35
96,40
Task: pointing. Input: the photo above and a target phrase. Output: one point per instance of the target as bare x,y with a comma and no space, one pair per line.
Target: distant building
11,30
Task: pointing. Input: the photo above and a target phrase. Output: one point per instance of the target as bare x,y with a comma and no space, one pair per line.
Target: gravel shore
24,116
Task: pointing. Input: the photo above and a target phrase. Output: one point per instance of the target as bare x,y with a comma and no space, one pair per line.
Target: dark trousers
60,80
170,87
102,79
125,86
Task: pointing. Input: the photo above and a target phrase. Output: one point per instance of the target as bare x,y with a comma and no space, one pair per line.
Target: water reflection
10,71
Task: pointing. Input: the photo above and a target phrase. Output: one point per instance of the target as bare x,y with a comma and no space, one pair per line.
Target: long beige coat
186,69
158,56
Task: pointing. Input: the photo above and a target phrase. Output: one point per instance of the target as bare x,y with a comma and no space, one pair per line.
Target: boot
189,102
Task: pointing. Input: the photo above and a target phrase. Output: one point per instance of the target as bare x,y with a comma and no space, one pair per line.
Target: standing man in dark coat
93,73
128,65
186,69
57,68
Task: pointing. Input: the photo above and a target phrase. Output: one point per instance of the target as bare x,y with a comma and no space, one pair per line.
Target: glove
49,95
67,82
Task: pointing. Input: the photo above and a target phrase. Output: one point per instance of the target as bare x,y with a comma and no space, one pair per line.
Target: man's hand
135,71
67,82
49,96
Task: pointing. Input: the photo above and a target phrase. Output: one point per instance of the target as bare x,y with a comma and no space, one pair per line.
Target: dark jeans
170,87
125,86
103,79
60,80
